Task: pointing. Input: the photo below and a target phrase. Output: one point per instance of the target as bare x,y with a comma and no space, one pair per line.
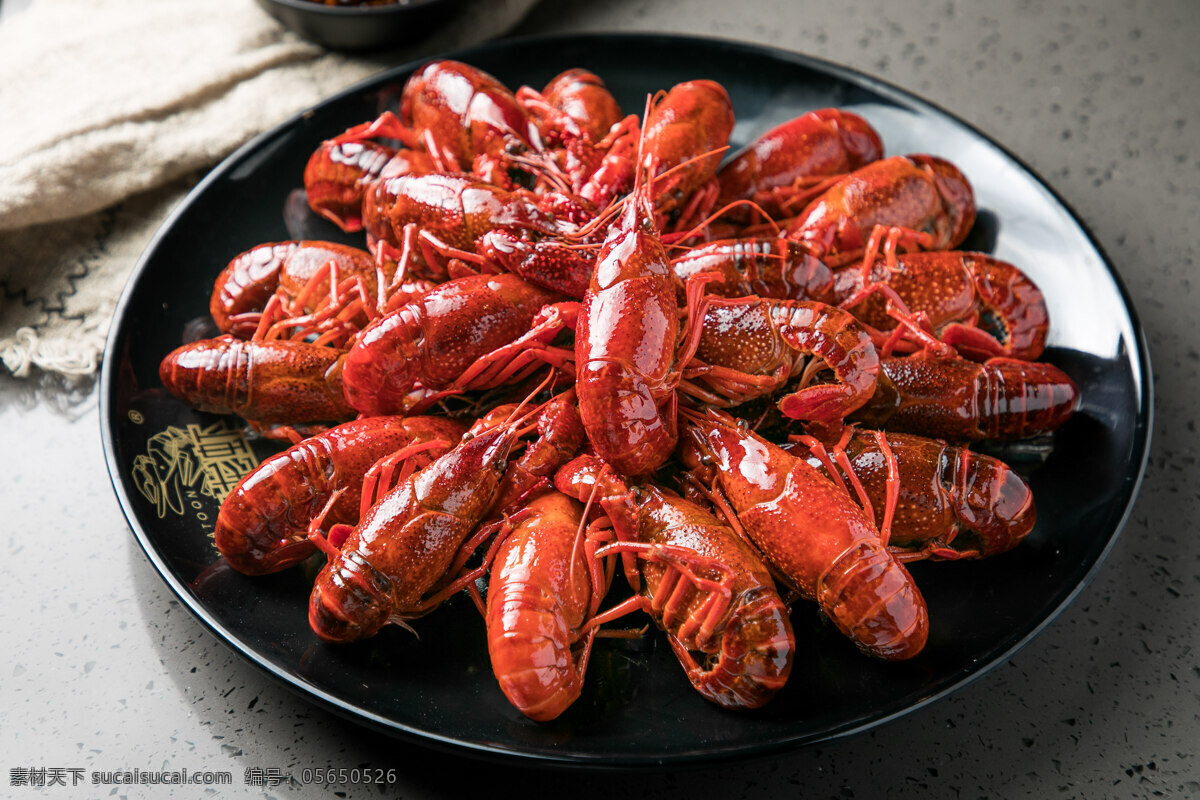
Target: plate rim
108,385
396,8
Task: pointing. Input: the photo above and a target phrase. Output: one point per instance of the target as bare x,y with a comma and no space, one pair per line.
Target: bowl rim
319,9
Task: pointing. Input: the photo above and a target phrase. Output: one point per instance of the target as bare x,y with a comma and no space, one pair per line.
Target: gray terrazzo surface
105,670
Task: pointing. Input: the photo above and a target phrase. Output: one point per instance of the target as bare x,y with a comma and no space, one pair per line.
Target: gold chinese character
177,459
224,457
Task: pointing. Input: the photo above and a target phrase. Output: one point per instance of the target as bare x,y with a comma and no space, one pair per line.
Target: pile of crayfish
578,340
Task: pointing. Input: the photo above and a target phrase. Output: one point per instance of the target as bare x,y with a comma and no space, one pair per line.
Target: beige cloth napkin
110,110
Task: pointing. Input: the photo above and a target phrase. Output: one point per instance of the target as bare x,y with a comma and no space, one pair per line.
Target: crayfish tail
873,600
755,659
992,501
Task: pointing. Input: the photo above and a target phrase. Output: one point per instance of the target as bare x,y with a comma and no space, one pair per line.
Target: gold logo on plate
182,463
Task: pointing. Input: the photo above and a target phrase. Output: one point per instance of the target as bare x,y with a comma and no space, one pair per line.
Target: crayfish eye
992,323
706,459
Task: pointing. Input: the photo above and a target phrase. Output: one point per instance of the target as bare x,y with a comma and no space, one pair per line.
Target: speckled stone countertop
105,670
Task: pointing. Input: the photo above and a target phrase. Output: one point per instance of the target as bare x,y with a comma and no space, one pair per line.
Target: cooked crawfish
396,564
574,106
284,382
453,212
248,282
981,306
961,400
766,267
921,201
465,119
812,533
299,276
750,347
263,524
557,264
474,332
625,346
679,144
560,434
541,593
582,126
243,288
684,136
950,503
702,585
785,167
340,170
459,209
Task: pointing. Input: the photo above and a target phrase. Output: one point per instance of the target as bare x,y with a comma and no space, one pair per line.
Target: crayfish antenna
672,238
314,527
519,416
639,193
642,167
547,383
403,623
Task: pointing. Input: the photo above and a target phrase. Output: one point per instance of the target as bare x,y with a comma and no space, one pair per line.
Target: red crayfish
935,500
699,582
785,167
264,523
541,595
814,535
398,562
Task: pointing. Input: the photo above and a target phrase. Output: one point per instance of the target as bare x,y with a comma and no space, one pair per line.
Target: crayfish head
466,481
706,435
351,600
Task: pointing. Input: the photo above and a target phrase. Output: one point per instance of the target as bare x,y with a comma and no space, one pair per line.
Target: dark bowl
361,27
169,463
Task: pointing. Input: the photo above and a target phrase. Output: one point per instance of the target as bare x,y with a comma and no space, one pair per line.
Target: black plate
354,28
637,709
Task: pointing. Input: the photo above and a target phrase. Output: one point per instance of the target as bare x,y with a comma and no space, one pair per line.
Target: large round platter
169,464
